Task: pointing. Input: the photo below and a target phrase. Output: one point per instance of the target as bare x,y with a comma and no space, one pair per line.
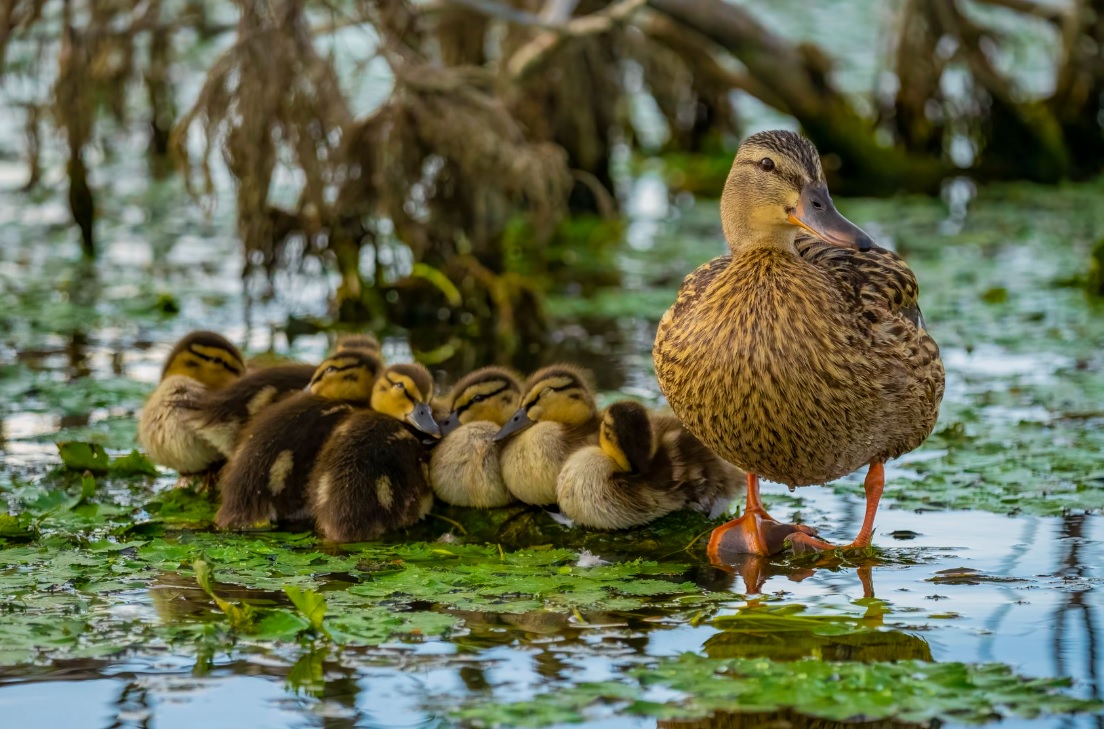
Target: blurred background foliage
483,164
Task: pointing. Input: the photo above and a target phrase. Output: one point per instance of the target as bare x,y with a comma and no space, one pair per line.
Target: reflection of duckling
222,416
465,467
200,363
640,470
557,417
266,478
373,473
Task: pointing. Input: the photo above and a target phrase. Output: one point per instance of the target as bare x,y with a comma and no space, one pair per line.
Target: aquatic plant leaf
134,463
240,616
84,456
311,604
280,625
182,506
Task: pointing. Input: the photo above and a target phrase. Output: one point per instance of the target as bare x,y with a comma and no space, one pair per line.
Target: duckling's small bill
519,422
421,417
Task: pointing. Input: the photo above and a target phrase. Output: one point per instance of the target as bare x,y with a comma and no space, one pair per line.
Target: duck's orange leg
755,532
874,484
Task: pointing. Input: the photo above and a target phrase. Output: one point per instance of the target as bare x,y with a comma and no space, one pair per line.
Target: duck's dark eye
479,398
400,385
330,370
766,164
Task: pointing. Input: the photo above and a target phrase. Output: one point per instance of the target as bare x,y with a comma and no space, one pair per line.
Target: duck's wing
878,281
883,291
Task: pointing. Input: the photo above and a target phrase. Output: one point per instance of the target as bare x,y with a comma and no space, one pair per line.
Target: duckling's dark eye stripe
335,368
225,363
561,388
463,408
405,392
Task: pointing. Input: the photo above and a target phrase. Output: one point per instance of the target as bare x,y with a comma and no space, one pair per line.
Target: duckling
265,481
644,467
465,467
797,358
373,473
221,416
557,417
200,364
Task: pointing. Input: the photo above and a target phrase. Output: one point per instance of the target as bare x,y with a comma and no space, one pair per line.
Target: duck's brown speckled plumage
801,365
801,368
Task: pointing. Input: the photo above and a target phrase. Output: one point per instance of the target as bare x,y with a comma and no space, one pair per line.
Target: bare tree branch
530,57
1030,7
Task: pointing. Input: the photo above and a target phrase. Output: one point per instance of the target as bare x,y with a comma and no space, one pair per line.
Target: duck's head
558,394
626,436
348,376
404,391
206,357
359,342
491,394
775,189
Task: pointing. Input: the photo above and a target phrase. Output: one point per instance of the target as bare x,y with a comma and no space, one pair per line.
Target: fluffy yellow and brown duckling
372,476
797,358
265,481
200,364
644,467
557,416
466,467
221,416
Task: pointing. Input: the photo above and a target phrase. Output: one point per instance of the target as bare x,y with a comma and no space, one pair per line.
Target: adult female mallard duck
200,364
557,417
265,481
372,476
466,466
797,359
221,416
644,467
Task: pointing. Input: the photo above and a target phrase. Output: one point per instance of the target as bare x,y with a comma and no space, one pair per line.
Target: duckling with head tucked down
557,417
265,480
644,467
372,476
466,466
202,363
221,416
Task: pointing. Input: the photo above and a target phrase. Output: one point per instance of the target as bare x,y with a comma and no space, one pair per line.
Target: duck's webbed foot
756,532
802,543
